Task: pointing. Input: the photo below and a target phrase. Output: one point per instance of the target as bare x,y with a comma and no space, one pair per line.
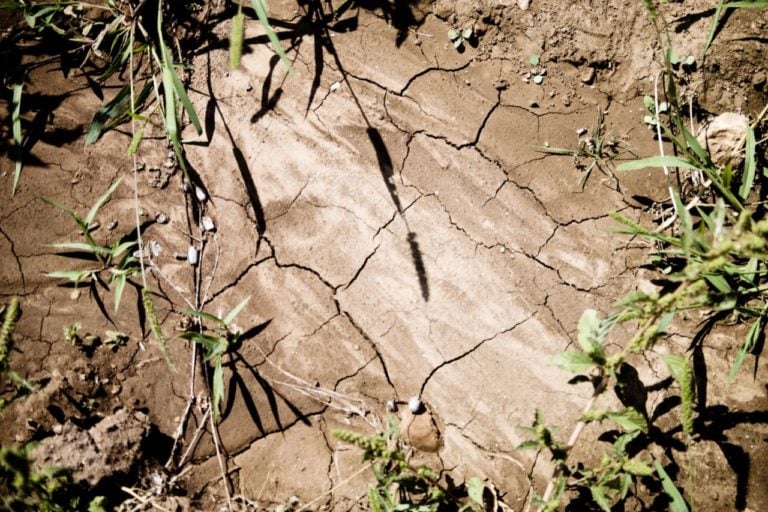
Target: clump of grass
224,337
116,260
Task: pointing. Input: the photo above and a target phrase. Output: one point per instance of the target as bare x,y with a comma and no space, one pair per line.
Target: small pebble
58,429
112,225
200,194
588,76
208,224
93,226
154,248
161,218
192,255
414,404
391,406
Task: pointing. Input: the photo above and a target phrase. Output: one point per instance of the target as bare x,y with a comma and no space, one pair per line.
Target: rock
108,448
588,76
722,137
523,4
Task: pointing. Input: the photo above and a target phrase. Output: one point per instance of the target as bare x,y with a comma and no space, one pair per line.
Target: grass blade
656,161
82,246
232,314
749,344
260,6
100,202
750,165
16,129
119,287
678,502
713,28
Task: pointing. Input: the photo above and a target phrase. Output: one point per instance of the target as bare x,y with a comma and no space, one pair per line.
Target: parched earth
389,211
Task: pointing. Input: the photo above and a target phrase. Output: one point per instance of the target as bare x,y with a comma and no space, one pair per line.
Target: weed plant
402,487
712,259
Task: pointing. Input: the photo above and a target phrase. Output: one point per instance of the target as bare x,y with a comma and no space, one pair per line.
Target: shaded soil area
389,210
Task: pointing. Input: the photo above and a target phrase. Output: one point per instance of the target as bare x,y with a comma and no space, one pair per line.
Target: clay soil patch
388,210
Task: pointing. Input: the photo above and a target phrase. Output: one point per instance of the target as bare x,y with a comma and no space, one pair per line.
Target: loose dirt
389,211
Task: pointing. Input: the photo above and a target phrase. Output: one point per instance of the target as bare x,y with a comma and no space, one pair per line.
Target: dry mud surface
387,211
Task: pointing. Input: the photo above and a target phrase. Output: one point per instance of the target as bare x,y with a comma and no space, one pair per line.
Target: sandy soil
388,210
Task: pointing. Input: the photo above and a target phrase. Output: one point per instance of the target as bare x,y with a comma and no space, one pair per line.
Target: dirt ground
389,211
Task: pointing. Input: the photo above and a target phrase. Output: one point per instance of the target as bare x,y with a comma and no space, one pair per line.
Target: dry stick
195,438
143,499
222,466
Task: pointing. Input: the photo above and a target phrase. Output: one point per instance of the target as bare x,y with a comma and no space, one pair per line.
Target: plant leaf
260,6
100,202
236,40
656,161
16,129
750,165
72,275
204,316
573,361
678,502
119,287
81,246
475,489
750,341
232,314
629,419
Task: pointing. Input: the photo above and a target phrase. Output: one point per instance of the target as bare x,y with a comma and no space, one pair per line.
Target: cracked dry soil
387,211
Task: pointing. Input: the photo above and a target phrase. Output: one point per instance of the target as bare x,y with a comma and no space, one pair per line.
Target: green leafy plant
115,260
459,37
401,486
224,336
27,489
16,131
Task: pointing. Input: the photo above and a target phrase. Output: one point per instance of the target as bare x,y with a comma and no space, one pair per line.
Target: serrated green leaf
637,467
599,497
475,489
629,419
589,326
573,361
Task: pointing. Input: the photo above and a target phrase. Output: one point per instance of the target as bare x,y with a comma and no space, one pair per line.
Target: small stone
391,406
192,255
566,101
200,194
75,294
581,131
93,226
335,86
58,428
534,104
414,404
207,224
722,137
154,248
523,4
161,218
588,76
758,81
112,225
